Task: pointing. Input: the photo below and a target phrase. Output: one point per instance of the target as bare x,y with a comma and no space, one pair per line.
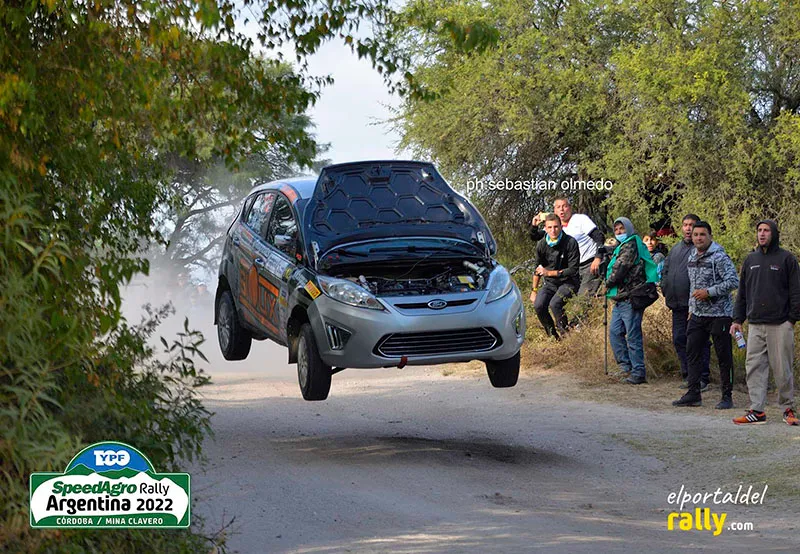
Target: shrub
72,373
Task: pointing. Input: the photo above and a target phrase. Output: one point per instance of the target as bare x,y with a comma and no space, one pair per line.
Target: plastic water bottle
740,342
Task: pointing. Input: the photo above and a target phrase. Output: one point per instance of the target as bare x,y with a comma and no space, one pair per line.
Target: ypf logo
111,457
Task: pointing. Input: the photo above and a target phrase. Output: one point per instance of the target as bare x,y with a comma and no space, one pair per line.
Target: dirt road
415,460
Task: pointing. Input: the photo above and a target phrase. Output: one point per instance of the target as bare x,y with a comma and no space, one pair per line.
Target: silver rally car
373,264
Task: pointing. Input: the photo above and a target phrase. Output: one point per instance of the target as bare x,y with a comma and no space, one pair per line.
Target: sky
349,113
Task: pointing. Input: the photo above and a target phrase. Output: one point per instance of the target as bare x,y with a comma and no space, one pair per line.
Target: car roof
303,186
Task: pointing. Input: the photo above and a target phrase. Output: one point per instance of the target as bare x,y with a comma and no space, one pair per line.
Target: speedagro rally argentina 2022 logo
110,484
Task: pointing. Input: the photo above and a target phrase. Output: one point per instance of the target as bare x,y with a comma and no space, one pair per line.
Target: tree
96,99
206,193
685,106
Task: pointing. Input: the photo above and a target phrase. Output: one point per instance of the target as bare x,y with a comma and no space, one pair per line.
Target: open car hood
377,199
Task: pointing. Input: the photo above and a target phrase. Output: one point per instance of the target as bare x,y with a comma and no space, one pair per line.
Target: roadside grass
581,352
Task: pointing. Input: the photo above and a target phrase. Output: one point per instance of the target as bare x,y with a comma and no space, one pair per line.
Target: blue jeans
625,335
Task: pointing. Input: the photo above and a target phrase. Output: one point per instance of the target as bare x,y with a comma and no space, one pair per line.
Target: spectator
202,297
629,270
557,259
181,294
589,238
657,251
712,278
769,296
675,287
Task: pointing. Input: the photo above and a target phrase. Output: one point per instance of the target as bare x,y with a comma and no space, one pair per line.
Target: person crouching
558,261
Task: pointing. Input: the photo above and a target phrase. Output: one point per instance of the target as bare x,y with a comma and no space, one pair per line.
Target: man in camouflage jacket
712,278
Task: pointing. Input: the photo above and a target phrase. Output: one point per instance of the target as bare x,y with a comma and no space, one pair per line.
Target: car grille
424,305
431,343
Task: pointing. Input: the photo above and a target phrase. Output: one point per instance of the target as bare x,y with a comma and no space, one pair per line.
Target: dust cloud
189,300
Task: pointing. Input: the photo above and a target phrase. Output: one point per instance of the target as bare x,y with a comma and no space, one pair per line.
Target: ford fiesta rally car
373,264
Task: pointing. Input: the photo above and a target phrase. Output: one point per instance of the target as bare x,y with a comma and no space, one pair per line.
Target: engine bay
419,278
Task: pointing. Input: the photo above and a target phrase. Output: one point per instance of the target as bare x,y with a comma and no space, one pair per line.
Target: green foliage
138,397
684,105
61,389
97,100
204,193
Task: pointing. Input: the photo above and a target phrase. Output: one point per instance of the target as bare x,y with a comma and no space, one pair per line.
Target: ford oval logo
437,304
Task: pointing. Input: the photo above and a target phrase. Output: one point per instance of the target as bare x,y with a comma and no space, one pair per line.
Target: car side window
282,233
248,203
258,216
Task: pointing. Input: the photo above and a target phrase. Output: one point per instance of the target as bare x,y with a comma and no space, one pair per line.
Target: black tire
312,373
503,373
234,340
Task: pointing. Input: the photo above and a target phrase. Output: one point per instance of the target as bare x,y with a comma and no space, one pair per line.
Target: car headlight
349,293
500,284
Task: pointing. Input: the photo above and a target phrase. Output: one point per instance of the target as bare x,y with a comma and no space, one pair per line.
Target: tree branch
184,218
199,255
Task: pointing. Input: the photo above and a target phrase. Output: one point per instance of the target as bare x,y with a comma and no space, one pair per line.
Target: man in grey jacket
712,279
675,287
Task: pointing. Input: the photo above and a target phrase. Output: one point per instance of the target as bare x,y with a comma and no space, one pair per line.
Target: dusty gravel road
414,461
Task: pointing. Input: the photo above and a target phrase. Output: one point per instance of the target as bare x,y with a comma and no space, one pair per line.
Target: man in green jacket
629,271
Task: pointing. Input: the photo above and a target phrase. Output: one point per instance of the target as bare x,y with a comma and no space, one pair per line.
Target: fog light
518,323
337,337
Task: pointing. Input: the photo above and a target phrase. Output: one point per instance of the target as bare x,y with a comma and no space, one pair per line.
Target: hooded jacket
769,289
626,273
675,277
714,271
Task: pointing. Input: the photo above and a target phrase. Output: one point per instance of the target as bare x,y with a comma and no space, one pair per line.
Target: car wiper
412,248
406,249
348,252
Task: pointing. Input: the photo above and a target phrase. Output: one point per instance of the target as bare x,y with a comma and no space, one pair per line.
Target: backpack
643,296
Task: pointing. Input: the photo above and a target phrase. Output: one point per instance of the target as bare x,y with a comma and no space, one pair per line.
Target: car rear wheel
234,340
503,373
312,373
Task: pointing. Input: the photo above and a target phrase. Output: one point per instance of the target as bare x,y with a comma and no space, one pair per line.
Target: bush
73,373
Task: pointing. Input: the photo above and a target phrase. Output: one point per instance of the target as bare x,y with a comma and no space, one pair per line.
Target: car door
282,241
250,254
234,247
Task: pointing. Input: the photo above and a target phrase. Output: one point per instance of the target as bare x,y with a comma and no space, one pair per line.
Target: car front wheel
312,373
234,340
503,373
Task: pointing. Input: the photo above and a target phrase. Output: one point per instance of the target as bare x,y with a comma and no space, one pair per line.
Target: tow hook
403,362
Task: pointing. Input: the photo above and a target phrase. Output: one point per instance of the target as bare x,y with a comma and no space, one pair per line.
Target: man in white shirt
590,242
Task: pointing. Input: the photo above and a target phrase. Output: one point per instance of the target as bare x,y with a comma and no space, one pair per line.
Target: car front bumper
368,328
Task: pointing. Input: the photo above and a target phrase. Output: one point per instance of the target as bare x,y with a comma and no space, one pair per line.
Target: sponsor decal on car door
264,303
281,248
